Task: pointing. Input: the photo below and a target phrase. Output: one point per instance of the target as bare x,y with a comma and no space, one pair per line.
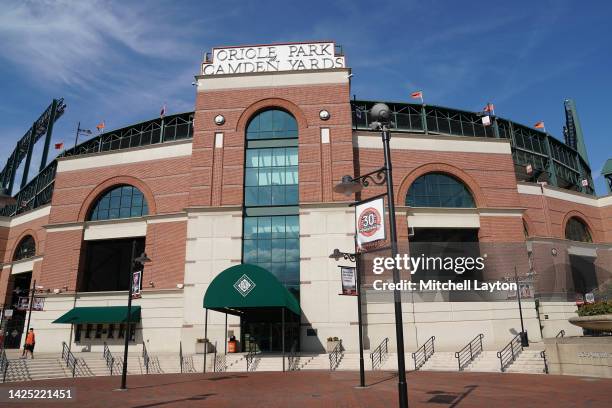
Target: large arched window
271,212
577,230
119,202
439,190
272,124
26,248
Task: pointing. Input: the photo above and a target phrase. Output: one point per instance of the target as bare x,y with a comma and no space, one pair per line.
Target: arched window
119,202
525,229
577,230
439,190
271,213
272,124
26,248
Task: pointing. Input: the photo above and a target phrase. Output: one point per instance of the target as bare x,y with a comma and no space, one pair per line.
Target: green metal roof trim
100,314
247,286
607,168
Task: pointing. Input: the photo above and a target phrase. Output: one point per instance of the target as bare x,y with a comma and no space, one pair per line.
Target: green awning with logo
248,286
100,314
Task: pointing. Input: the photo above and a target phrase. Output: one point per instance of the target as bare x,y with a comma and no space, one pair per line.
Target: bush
594,309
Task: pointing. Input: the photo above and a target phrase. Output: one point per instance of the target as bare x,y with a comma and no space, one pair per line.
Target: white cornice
565,195
128,156
401,141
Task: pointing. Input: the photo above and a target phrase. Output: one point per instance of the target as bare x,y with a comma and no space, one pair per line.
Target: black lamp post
142,259
517,280
349,185
355,258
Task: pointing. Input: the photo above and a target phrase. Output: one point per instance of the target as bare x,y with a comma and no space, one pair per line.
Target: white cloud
72,43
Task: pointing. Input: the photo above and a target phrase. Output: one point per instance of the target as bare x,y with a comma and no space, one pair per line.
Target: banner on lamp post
349,280
136,284
370,222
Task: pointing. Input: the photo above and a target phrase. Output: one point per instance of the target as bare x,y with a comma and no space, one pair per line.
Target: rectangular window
111,331
77,333
271,177
273,243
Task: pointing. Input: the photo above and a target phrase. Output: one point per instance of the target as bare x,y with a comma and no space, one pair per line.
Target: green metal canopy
247,286
100,314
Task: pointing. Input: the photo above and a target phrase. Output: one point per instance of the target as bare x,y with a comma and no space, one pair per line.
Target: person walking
29,343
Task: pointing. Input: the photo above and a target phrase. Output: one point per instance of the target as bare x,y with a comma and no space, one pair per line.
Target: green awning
248,286
100,314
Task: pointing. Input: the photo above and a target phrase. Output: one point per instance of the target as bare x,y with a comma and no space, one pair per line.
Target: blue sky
121,61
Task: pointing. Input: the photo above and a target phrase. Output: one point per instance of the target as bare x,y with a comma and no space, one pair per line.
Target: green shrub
594,309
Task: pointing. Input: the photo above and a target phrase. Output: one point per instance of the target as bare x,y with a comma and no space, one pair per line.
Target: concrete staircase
441,361
486,361
51,365
529,361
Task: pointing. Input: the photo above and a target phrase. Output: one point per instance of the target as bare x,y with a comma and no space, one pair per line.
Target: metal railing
554,161
145,357
543,355
508,354
4,364
220,362
561,333
379,355
293,358
424,352
335,357
181,355
468,353
108,357
69,358
251,355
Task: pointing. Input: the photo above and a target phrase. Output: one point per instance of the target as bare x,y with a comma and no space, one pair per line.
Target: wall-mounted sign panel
273,58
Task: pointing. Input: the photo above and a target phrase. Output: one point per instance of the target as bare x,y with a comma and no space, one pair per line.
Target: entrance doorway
14,327
262,329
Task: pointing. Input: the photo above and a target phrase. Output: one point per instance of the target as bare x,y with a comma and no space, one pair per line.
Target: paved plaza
324,389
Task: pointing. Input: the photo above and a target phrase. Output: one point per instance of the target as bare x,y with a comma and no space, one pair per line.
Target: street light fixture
354,257
349,185
141,260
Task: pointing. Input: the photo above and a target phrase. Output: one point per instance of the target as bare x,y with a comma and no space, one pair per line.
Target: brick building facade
194,228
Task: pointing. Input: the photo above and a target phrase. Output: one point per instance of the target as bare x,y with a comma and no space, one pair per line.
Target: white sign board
273,58
370,222
349,281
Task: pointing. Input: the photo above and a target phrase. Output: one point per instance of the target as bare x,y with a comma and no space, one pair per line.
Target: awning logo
244,285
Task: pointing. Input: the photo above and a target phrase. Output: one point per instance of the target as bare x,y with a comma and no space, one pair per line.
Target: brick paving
324,389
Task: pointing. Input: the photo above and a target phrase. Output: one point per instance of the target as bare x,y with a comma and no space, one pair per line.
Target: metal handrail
69,358
145,357
108,357
251,355
181,355
293,359
543,355
379,354
561,333
335,357
468,353
4,364
508,354
424,352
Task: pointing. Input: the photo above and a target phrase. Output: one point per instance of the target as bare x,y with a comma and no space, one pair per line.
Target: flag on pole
100,126
489,108
59,146
358,113
417,95
162,112
540,125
